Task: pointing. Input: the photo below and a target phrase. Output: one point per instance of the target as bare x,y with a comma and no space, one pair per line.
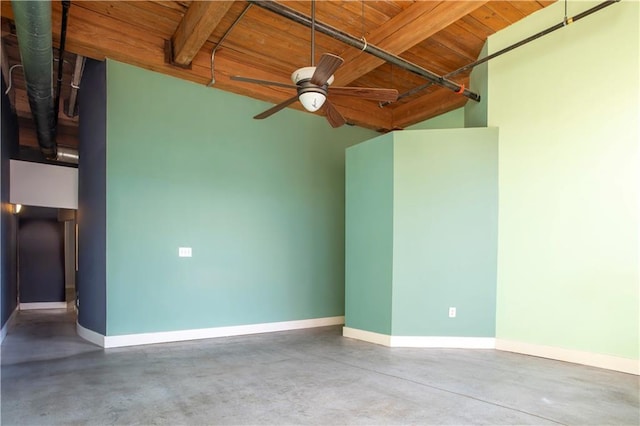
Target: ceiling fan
313,86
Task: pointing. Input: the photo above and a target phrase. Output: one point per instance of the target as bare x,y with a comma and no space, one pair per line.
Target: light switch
184,251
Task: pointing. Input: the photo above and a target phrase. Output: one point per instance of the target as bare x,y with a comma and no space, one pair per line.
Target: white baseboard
367,336
43,305
452,342
609,362
420,341
203,333
5,328
90,335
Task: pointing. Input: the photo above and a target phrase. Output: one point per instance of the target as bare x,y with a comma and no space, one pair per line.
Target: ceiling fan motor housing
307,87
311,96
306,73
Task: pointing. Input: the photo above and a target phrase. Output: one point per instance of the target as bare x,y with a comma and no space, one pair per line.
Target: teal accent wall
369,239
567,106
261,203
422,233
445,218
449,120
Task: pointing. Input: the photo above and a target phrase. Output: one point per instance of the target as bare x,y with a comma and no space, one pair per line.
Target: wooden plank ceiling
440,36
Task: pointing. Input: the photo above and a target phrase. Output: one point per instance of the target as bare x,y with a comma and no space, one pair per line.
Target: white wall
43,185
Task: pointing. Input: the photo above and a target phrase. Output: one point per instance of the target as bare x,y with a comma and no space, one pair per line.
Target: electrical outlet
184,251
452,312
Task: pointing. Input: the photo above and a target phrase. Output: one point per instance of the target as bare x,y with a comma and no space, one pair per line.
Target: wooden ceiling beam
196,26
407,29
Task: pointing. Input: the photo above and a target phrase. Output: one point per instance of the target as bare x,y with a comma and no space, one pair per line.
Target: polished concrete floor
51,376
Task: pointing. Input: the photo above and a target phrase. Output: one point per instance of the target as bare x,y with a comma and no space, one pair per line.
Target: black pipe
500,52
63,37
361,44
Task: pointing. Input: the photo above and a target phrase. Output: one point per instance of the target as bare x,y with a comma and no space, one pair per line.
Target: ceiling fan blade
263,82
376,94
326,67
333,115
276,108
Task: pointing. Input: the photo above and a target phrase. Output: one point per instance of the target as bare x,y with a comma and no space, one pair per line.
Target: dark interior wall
91,282
8,226
41,260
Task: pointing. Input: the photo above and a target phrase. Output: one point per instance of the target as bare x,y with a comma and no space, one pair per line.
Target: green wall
260,202
369,240
445,232
475,113
449,120
567,106
422,233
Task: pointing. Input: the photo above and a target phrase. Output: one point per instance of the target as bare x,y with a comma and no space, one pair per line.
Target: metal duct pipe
361,44
67,155
33,28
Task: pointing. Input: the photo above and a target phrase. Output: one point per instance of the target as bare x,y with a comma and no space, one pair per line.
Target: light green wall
475,113
421,233
260,202
369,239
567,106
445,232
449,120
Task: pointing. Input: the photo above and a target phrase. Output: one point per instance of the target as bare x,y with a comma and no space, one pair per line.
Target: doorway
46,258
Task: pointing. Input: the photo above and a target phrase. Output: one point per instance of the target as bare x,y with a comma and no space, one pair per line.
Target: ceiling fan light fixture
312,101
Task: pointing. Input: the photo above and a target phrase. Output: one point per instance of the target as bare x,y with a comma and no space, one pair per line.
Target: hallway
51,376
